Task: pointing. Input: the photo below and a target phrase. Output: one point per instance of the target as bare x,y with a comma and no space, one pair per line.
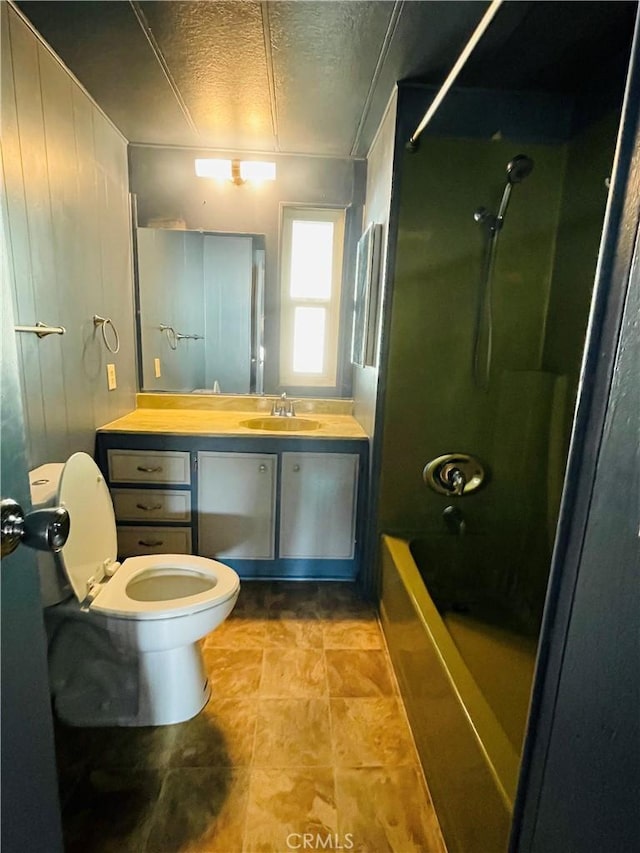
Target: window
311,273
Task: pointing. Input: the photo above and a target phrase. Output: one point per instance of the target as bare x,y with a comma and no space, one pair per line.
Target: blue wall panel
65,171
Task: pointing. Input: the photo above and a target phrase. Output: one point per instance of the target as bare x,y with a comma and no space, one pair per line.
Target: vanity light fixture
237,171
257,170
220,169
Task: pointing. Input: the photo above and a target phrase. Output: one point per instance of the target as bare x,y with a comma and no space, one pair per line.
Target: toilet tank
44,482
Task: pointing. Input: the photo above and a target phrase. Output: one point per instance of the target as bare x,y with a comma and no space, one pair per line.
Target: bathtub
465,685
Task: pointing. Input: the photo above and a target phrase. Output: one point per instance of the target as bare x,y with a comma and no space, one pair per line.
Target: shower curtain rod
479,31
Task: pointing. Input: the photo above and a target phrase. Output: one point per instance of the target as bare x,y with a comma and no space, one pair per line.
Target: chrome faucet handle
453,478
458,481
281,406
456,474
288,406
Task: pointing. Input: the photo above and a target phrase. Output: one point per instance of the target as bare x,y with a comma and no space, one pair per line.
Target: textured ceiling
305,77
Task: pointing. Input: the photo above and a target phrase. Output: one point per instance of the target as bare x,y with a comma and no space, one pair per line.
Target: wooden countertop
229,423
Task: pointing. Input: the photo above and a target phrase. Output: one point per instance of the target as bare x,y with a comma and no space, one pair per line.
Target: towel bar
42,329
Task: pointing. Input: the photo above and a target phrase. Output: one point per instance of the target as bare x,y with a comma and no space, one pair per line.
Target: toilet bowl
123,641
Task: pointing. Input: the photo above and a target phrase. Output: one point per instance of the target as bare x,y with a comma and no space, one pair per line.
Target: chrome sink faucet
284,407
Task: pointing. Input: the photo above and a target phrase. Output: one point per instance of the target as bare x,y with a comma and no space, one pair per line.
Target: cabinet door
318,505
236,503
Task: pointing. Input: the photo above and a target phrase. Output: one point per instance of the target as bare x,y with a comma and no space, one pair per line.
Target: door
318,505
236,505
30,810
579,781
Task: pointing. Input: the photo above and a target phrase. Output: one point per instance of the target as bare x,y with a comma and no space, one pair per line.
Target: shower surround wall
432,405
481,597
542,283
584,193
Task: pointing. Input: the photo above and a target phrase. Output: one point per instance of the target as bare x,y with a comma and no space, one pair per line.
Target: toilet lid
92,544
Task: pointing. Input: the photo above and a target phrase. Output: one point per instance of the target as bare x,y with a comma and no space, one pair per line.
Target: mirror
365,316
200,311
168,195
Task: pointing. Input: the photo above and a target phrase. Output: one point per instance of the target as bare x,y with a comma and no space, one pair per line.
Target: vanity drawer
136,541
149,466
151,505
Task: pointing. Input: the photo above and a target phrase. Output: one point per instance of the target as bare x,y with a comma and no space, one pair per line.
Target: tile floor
303,745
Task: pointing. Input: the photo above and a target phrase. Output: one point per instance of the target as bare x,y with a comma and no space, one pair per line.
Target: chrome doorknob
42,529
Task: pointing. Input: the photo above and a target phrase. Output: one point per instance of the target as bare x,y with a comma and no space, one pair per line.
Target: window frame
329,377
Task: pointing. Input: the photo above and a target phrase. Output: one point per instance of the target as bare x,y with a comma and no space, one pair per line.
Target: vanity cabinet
270,507
238,501
236,505
318,505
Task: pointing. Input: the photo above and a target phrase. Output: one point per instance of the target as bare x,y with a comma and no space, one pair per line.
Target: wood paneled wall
67,235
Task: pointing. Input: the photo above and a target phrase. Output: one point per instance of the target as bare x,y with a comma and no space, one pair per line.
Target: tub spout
454,520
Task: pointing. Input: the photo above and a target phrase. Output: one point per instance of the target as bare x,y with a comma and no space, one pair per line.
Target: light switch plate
156,367
111,377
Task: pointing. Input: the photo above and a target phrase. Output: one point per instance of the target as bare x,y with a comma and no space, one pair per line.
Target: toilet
123,637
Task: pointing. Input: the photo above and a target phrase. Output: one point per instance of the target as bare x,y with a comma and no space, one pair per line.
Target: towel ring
103,322
172,336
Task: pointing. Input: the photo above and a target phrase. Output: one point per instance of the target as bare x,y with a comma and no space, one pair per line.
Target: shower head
519,168
517,171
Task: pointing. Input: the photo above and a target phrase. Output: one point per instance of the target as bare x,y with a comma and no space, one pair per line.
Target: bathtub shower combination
464,660
488,319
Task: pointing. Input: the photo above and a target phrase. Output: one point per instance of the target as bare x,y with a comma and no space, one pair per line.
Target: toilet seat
89,556
113,599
